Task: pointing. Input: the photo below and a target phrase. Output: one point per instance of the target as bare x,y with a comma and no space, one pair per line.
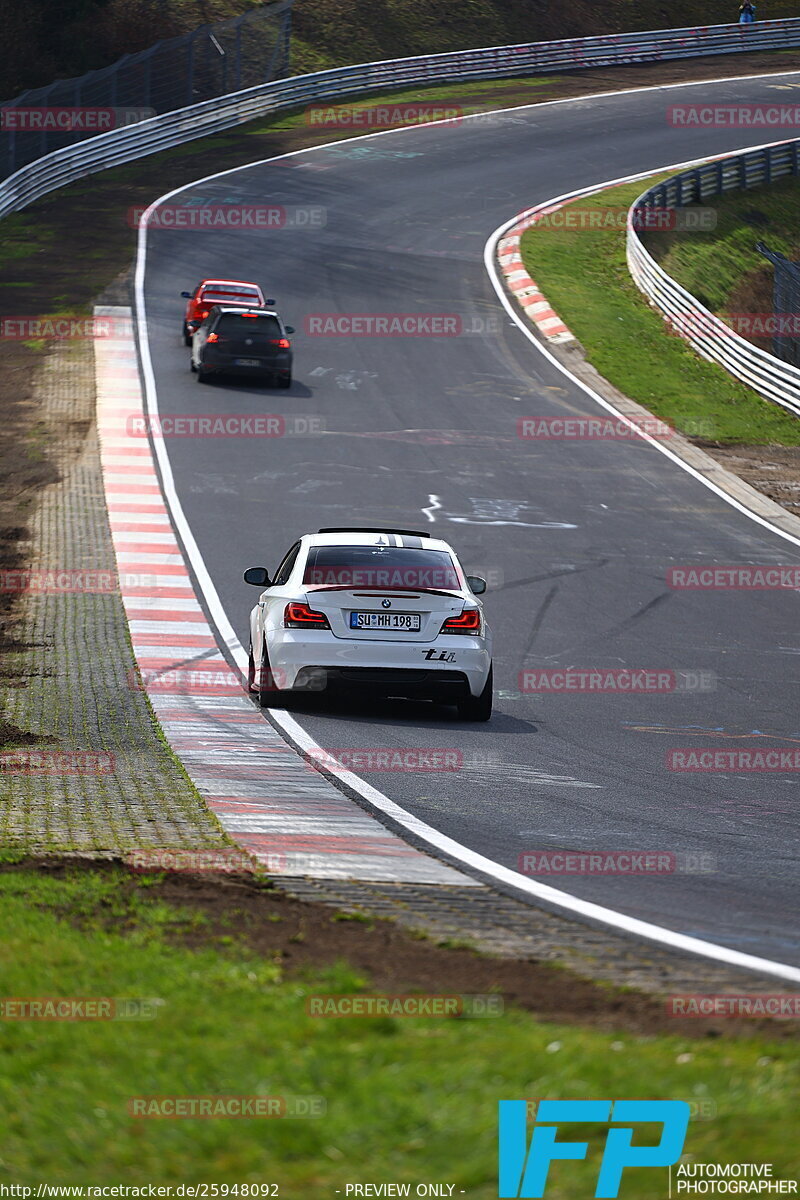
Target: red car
218,291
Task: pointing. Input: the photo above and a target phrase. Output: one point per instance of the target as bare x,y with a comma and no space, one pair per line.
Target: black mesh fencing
211,61
785,306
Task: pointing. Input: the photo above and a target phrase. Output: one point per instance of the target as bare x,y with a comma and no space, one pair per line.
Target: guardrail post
190,69
282,70
147,64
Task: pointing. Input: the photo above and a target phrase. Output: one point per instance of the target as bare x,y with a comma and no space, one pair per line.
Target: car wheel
192,367
478,708
187,337
201,375
263,681
284,381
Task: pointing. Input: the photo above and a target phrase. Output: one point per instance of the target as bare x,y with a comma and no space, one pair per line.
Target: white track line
295,732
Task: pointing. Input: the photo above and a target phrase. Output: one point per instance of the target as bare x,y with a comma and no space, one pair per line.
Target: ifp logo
523,1170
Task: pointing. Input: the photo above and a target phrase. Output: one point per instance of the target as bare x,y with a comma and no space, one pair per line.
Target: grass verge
405,1099
584,275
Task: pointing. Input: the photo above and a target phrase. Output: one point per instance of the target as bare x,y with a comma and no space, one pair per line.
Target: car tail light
203,314
284,343
468,622
300,616
213,337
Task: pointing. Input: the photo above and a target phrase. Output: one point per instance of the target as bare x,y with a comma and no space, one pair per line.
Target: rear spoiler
361,589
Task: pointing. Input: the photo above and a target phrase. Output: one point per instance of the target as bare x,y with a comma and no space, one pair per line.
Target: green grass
714,266
583,274
407,1100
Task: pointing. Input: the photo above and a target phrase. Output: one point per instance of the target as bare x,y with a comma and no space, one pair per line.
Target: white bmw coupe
387,612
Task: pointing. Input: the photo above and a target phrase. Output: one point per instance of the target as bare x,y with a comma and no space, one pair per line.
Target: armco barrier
705,332
494,62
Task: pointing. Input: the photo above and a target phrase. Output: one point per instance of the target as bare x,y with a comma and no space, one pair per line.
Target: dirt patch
773,470
304,936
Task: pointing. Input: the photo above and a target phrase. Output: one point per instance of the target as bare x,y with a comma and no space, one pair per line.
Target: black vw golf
237,340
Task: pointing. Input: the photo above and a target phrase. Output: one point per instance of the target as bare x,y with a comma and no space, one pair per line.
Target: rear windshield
222,294
232,324
380,567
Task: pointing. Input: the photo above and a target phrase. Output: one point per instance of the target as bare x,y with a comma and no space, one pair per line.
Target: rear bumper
450,667
447,686
280,366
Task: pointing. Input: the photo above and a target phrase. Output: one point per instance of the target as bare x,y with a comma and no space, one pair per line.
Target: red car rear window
220,294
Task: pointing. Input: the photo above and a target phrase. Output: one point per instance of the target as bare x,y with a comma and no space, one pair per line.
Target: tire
187,337
478,708
192,367
284,381
263,682
201,376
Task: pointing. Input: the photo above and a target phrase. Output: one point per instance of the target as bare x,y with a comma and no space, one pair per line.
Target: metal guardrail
123,145
707,333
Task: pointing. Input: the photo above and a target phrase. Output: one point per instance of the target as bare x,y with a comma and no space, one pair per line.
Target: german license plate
248,362
402,622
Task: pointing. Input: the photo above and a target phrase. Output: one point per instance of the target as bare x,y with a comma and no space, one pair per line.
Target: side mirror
186,295
289,328
258,576
270,300
476,585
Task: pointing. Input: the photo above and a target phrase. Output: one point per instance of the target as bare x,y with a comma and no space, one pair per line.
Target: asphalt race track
575,537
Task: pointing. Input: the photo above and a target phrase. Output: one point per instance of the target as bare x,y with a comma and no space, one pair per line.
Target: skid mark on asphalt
556,573
539,619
